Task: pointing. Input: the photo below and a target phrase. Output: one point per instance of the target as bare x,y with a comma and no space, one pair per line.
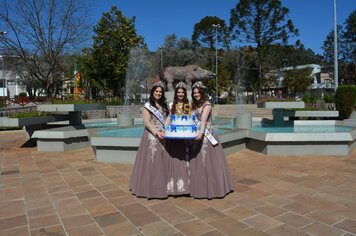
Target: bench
61,139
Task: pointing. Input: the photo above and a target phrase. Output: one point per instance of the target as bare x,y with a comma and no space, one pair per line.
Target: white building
321,79
11,87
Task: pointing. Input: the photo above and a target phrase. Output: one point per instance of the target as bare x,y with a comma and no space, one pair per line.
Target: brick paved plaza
71,194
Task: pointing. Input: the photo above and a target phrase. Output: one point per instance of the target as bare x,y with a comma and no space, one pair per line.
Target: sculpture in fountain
189,74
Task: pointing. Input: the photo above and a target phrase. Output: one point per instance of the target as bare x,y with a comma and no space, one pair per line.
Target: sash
207,133
155,112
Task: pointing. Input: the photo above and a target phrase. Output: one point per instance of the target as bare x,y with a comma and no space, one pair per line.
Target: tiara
160,84
181,84
198,84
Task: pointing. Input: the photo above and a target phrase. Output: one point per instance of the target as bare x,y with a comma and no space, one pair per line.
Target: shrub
73,101
345,99
114,101
23,94
309,98
30,114
329,98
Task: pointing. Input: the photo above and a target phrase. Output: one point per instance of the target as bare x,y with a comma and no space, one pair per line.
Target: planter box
280,105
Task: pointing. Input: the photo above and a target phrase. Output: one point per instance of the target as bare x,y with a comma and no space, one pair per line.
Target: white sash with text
155,112
208,134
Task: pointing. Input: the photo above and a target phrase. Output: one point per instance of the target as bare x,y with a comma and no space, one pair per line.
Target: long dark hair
195,103
175,100
162,102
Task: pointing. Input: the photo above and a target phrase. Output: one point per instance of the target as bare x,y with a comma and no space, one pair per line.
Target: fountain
242,119
137,69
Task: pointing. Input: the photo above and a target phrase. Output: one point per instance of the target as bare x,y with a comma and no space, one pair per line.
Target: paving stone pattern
72,194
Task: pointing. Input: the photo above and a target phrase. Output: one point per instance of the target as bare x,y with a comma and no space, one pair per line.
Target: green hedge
345,100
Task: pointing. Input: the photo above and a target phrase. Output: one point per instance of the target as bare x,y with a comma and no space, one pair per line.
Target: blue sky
157,18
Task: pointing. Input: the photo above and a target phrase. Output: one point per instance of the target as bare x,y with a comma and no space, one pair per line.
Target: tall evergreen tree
328,46
349,36
261,23
204,33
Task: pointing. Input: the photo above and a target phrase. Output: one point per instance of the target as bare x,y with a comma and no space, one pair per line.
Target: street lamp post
3,33
161,48
216,26
336,72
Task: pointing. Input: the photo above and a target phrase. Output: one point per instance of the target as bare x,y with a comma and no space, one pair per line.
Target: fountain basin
304,137
120,148
338,140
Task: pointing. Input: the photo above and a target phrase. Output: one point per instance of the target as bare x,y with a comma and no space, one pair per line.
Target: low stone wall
133,110
112,111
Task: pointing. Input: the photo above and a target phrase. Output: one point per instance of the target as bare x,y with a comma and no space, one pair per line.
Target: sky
155,19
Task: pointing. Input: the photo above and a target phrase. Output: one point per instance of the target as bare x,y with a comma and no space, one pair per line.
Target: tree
177,52
297,80
204,33
349,36
346,35
348,71
39,33
115,36
261,23
280,56
328,46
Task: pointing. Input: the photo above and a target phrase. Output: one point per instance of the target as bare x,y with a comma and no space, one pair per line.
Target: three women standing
197,168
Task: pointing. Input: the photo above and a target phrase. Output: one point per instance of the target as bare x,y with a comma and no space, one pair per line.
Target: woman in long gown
209,172
178,149
150,172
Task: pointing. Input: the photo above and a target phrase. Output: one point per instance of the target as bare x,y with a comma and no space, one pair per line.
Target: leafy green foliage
346,35
115,36
297,80
114,101
328,98
74,101
176,52
345,100
280,56
309,98
204,33
30,114
23,94
328,45
261,23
